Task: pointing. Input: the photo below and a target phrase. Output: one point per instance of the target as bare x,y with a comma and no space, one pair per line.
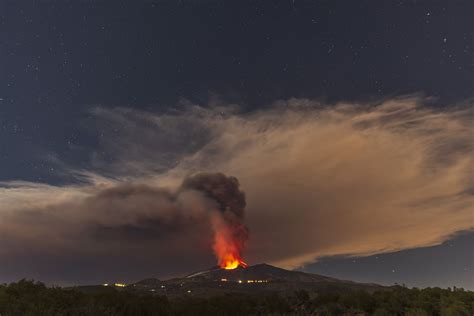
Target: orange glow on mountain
231,263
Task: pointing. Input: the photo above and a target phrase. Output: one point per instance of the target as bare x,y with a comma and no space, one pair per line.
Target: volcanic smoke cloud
113,222
230,234
320,180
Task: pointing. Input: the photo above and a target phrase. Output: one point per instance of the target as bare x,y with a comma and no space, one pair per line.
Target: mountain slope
264,272
252,280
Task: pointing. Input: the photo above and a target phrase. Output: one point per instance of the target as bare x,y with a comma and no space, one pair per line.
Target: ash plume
221,188
230,232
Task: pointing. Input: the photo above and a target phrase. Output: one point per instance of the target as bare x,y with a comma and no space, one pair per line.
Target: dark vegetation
28,298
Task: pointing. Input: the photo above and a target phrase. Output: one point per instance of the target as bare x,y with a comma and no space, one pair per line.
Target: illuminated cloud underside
352,179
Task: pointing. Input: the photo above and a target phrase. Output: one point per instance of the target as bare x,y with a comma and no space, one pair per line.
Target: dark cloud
217,186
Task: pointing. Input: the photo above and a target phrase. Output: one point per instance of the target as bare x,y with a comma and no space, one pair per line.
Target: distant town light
120,285
105,284
244,281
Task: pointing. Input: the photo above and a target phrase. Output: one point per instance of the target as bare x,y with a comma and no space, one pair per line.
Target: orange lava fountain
227,247
230,263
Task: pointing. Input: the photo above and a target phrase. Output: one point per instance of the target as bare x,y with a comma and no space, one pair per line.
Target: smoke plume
230,234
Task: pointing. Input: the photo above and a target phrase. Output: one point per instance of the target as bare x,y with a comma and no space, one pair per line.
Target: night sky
95,94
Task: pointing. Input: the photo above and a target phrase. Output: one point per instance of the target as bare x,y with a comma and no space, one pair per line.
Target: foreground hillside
27,298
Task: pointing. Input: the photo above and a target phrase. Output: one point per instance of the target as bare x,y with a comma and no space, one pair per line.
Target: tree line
29,298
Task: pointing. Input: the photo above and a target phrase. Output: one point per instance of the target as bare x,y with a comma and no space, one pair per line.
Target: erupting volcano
232,263
230,234
227,246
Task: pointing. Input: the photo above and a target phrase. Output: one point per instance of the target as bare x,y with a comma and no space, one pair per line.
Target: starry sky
100,93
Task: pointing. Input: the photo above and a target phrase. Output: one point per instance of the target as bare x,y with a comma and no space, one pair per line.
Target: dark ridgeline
254,280
257,290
